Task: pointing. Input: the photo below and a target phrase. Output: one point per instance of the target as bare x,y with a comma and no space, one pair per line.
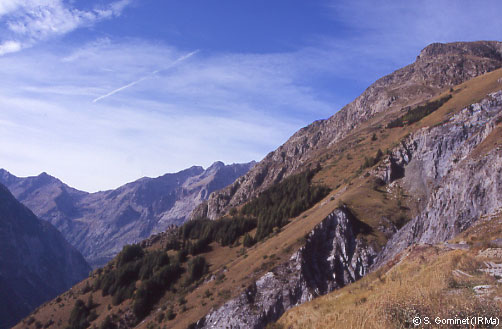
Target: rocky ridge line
438,66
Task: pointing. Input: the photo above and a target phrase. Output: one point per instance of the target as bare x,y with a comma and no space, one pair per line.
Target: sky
102,92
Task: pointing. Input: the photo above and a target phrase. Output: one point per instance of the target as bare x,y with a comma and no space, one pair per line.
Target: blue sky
102,92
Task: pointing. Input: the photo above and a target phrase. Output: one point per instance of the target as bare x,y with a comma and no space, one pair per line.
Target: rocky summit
100,224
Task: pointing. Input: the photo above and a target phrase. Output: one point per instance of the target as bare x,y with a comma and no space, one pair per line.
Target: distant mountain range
100,224
36,262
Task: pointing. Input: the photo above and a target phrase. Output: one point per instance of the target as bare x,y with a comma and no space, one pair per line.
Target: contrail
113,92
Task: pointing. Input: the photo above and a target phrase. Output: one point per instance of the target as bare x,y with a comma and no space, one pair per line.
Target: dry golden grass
482,233
422,284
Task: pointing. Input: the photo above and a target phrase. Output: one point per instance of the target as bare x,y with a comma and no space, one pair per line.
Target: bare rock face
100,224
36,262
438,66
332,257
447,167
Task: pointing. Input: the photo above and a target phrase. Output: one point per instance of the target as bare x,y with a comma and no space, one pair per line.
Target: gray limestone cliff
100,224
456,177
36,262
333,256
438,66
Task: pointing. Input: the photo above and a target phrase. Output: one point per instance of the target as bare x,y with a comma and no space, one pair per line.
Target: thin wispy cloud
148,76
219,107
25,23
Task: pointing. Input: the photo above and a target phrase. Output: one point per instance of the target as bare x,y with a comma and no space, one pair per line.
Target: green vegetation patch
418,113
270,210
82,314
225,231
157,271
282,201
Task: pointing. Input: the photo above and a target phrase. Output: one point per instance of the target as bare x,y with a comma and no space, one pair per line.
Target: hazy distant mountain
36,262
100,224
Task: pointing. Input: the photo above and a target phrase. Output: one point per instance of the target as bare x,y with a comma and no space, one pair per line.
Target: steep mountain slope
428,284
421,169
438,66
445,177
36,263
100,224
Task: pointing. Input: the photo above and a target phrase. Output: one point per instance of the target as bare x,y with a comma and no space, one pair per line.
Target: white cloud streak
28,22
148,76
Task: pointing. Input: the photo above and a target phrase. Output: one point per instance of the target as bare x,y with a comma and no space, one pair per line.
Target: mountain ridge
99,224
437,67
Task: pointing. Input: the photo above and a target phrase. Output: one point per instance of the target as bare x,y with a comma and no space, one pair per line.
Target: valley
100,224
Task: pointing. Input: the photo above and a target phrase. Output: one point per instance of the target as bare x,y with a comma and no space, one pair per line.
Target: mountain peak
4,174
484,49
216,165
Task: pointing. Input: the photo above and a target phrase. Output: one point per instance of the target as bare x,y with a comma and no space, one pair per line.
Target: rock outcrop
438,66
333,256
100,224
451,170
36,262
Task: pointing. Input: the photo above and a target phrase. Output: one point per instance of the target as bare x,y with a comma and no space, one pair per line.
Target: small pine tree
90,303
248,241
78,316
379,155
108,324
170,314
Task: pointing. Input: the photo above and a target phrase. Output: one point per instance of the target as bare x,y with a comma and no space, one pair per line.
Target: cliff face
36,263
456,168
438,66
100,224
333,256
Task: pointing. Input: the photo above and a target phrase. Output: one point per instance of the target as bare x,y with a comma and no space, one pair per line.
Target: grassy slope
242,267
426,281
